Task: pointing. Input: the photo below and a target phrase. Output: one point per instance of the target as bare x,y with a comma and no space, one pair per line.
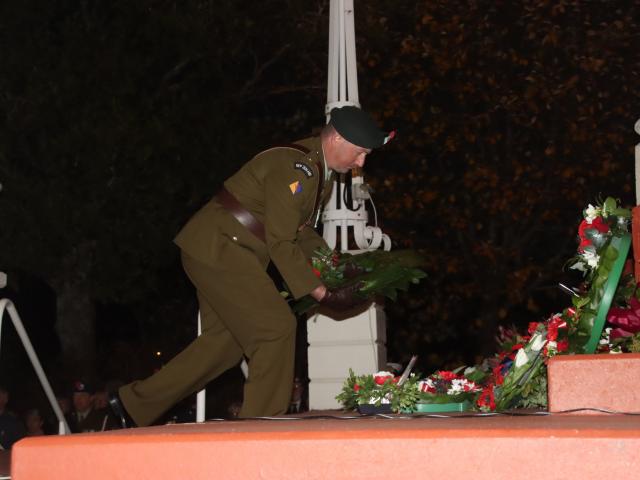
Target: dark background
119,119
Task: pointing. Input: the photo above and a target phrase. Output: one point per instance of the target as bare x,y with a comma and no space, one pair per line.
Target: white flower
552,346
426,385
591,213
537,342
604,340
521,358
579,265
457,386
591,257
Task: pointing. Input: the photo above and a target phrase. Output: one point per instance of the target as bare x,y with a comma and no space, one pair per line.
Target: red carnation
599,224
533,326
497,374
446,375
563,346
584,243
487,399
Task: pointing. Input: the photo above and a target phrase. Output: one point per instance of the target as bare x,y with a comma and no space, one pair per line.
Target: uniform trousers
242,313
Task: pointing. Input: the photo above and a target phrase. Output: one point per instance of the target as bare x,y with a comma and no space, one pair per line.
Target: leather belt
244,216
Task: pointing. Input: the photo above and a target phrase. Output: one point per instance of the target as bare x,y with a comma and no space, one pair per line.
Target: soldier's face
346,156
81,401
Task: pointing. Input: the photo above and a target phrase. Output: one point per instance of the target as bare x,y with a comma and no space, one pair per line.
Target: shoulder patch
304,167
295,187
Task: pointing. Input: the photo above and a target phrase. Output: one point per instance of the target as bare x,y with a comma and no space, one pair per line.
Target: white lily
537,342
521,358
580,266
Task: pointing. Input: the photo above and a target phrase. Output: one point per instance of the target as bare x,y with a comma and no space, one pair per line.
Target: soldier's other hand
352,270
343,298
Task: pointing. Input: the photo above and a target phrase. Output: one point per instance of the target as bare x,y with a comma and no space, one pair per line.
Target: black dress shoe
117,408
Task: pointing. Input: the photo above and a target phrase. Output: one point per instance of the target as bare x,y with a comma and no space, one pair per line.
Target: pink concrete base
608,382
482,448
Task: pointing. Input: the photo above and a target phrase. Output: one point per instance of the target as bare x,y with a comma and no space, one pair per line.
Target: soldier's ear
337,138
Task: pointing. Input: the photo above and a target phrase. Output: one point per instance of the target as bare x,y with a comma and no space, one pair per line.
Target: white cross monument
358,342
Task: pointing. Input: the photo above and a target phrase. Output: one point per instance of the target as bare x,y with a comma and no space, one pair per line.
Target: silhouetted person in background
34,423
85,417
11,428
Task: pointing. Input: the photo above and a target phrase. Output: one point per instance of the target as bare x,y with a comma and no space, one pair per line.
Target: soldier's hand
351,270
343,298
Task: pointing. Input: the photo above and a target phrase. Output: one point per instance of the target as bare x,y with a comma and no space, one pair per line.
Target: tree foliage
119,119
512,116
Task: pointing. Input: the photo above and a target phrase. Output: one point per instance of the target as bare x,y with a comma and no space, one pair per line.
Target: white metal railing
201,397
7,305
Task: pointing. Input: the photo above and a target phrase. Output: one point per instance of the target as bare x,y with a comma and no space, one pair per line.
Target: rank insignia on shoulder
304,167
295,187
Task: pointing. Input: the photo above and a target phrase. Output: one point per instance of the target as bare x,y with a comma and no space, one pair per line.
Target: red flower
552,332
533,326
497,374
428,389
553,325
563,346
446,375
486,398
582,228
584,243
316,272
599,224
517,346
381,379
356,387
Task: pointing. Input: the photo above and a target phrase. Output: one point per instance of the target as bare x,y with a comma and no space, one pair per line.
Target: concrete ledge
494,448
605,381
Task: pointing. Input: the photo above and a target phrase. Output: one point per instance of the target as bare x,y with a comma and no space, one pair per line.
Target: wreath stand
603,383
359,341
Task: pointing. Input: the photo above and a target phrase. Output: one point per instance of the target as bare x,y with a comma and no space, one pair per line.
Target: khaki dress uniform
96,420
242,311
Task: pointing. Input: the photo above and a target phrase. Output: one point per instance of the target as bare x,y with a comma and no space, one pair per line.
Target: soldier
266,212
85,417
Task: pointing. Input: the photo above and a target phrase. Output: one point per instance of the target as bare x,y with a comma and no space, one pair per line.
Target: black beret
357,127
80,386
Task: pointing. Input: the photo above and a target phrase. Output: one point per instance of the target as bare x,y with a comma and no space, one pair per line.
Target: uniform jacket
278,186
96,420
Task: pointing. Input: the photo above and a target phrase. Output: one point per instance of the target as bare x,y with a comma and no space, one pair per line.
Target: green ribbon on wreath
621,245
